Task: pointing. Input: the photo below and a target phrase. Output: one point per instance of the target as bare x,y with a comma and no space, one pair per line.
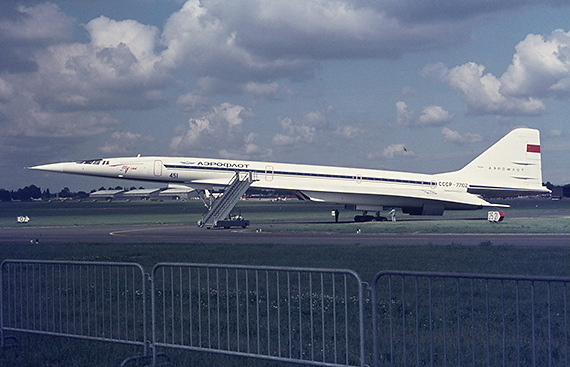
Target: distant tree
5,195
65,193
27,193
118,188
46,195
102,188
17,195
82,195
35,192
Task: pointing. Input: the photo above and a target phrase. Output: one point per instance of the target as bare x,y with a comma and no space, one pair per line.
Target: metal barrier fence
441,319
299,315
86,300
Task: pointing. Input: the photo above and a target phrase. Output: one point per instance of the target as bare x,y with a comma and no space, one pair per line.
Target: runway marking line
121,233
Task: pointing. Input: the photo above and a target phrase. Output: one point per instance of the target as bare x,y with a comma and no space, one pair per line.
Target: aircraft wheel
364,218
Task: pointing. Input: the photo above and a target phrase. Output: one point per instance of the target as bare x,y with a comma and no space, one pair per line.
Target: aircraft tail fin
511,167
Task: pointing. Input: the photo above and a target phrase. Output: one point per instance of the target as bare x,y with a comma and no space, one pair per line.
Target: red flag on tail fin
532,148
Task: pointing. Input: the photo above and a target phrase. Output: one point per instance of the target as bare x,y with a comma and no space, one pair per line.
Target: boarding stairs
221,207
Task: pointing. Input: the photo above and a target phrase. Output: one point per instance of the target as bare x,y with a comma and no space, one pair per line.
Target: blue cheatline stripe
304,174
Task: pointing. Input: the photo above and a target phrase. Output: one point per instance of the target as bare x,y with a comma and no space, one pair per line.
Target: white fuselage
510,167
366,189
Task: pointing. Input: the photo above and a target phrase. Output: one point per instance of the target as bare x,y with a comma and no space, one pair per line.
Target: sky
408,85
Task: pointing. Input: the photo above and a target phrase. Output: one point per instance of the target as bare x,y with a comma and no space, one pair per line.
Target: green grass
525,216
514,225
67,213
551,217
366,260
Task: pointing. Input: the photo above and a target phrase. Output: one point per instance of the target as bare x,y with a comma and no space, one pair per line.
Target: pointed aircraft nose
52,167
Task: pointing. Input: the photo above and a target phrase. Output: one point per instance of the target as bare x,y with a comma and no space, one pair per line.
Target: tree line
32,192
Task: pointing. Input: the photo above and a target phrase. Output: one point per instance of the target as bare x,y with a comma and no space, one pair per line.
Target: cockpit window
90,161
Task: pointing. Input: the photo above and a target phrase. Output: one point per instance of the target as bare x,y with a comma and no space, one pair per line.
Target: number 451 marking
174,175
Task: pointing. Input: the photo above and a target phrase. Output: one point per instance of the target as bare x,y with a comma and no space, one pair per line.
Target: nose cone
52,167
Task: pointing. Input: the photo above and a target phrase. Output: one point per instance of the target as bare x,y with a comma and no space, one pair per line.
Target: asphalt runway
192,234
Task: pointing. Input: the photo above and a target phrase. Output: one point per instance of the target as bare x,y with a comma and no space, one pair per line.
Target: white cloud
125,142
248,149
431,116
457,138
205,40
403,115
329,29
436,70
140,40
24,30
261,90
62,80
228,45
396,150
540,68
6,90
305,130
554,133
392,151
434,116
64,90
192,102
74,84
244,47
219,131
349,131
23,116
221,124
43,22
408,90
295,132
484,95
413,11
67,124
116,70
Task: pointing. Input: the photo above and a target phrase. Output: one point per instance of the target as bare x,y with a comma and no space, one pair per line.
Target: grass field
530,216
526,216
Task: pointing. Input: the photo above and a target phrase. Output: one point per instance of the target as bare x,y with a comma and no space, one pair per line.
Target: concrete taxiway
191,234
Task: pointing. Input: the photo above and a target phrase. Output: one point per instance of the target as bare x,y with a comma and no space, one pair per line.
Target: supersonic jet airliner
511,167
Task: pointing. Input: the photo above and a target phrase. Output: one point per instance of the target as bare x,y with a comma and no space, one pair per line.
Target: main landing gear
370,218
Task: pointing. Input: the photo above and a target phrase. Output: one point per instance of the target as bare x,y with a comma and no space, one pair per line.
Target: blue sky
410,85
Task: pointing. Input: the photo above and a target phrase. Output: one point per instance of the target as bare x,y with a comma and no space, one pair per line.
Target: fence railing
320,317
88,300
313,316
442,319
